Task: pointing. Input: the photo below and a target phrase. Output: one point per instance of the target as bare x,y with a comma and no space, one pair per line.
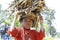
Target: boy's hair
30,16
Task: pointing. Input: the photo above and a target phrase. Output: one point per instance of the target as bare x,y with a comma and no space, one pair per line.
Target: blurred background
51,20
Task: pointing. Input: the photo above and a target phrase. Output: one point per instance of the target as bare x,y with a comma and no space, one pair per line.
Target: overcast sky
53,4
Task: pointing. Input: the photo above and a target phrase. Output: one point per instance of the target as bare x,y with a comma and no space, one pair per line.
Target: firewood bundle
29,7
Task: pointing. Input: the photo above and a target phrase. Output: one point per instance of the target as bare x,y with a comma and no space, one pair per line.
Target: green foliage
9,20
48,38
52,31
3,15
18,23
46,27
48,16
0,7
58,35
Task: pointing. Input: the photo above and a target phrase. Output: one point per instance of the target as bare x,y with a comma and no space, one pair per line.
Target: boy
25,33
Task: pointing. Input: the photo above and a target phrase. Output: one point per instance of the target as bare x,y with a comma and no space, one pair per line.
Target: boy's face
27,23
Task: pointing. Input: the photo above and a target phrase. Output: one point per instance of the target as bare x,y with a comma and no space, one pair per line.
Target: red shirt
26,34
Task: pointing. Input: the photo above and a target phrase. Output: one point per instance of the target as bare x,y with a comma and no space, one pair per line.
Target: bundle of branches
24,5
29,6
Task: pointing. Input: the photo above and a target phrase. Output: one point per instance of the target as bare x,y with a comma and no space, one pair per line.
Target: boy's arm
12,30
14,20
41,34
